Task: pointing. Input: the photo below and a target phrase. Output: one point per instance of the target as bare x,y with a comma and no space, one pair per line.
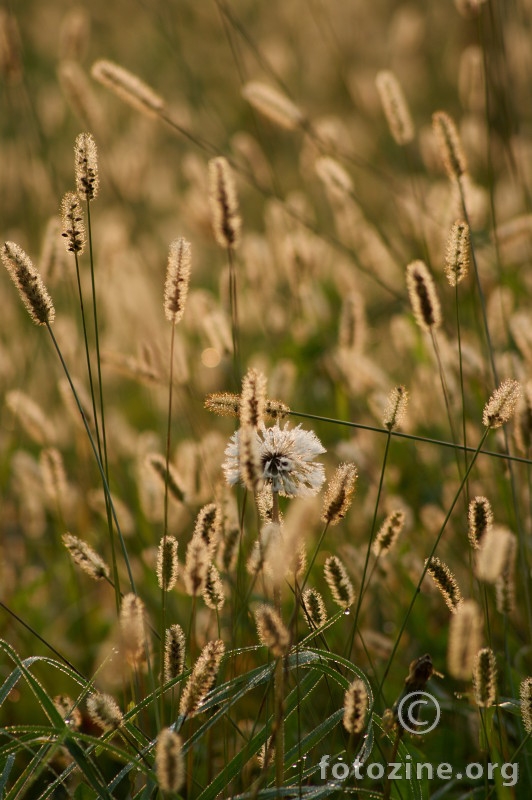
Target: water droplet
347,612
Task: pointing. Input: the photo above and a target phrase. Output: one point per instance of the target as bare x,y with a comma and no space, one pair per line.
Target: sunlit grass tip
31,288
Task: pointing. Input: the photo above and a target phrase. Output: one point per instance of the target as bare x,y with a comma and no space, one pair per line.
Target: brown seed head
128,87
85,557
272,631
73,225
339,582
213,593
177,280
196,566
525,691
480,517
451,151
485,677
133,630
202,678
174,652
167,563
104,711
502,404
253,398
395,107
169,761
226,221
388,533
29,284
457,256
355,707
86,166
273,104
314,608
395,408
423,297
338,496
445,582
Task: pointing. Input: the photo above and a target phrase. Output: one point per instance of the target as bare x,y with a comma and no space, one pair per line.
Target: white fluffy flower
286,459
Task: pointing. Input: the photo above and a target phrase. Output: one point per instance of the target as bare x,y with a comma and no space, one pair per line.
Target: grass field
265,432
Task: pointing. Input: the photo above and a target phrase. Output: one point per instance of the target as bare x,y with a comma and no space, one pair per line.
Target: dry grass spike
29,283
395,107
128,87
177,280
226,221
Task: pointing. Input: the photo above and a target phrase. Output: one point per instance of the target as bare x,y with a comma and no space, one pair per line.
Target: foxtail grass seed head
423,297
133,629
272,631
249,459
73,225
53,475
505,583
464,640
69,711
339,582
395,107
157,463
493,553
480,519
253,398
452,154
445,582
355,707
174,652
502,404
86,166
167,563
229,545
525,692
128,87
202,678
196,566
30,416
485,678
272,104
337,181
395,409
284,459
388,533
85,557
104,711
177,280
352,328
209,526
213,593
29,284
338,496
314,608
226,220
224,404
169,761
457,256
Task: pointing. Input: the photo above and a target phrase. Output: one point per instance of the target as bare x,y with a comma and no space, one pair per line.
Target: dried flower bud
226,220
339,582
485,678
167,563
177,280
104,711
202,678
423,297
314,608
355,707
86,166
273,104
395,408
29,284
174,652
452,154
85,557
338,495
464,640
445,582
388,533
395,107
253,398
480,517
272,631
457,256
128,87
169,761
502,404
73,225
